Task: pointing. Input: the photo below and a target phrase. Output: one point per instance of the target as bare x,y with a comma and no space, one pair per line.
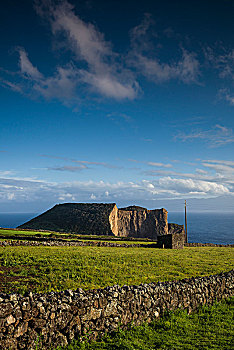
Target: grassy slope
209,328
43,269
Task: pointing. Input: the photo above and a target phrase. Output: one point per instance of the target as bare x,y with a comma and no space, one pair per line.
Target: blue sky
118,101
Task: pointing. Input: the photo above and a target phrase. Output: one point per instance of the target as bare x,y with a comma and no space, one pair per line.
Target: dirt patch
9,279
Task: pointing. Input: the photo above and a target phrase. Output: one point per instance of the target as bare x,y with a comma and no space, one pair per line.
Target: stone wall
54,243
56,318
208,245
171,241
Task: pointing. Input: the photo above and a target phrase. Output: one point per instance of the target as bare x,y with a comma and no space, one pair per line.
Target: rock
10,319
5,309
21,329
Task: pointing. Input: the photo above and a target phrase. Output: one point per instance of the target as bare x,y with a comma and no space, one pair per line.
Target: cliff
82,218
104,219
141,222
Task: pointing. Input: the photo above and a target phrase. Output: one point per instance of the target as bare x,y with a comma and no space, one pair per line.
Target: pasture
44,269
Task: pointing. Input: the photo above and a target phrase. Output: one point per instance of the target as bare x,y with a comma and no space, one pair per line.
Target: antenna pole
185,219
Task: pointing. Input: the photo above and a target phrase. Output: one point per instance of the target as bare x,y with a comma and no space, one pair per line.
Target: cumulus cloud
169,186
66,197
190,186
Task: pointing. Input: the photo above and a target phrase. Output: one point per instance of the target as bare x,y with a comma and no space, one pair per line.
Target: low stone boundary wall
60,243
55,243
57,317
208,245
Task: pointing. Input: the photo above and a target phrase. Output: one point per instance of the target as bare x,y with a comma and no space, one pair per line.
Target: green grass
210,328
43,269
9,232
5,233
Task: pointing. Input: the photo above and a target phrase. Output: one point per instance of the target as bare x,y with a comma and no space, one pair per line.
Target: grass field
209,328
43,269
9,232
6,233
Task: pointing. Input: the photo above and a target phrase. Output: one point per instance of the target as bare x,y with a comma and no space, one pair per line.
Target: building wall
171,241
56,318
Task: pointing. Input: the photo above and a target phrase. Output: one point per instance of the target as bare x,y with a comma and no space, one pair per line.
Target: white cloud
26,66
186,70
222,59
223,169
201,171
83,164
160,164
91,67
223,62
104,74
224,162
6,172
69,168
190,186
10,196
230,99
12,86
153,164
215,137
144,57
220,168
62,85
198,186
226,95
66,196
108,86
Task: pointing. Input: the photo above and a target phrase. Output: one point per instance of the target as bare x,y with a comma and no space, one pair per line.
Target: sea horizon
203,227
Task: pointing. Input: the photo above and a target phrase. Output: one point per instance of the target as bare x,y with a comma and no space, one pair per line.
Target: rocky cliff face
140,222
103,219
175,228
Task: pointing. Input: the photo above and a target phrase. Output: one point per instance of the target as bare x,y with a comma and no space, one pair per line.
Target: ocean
204,227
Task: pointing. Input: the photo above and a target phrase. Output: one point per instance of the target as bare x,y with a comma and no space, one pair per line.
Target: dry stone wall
16,243
172,241
56,318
